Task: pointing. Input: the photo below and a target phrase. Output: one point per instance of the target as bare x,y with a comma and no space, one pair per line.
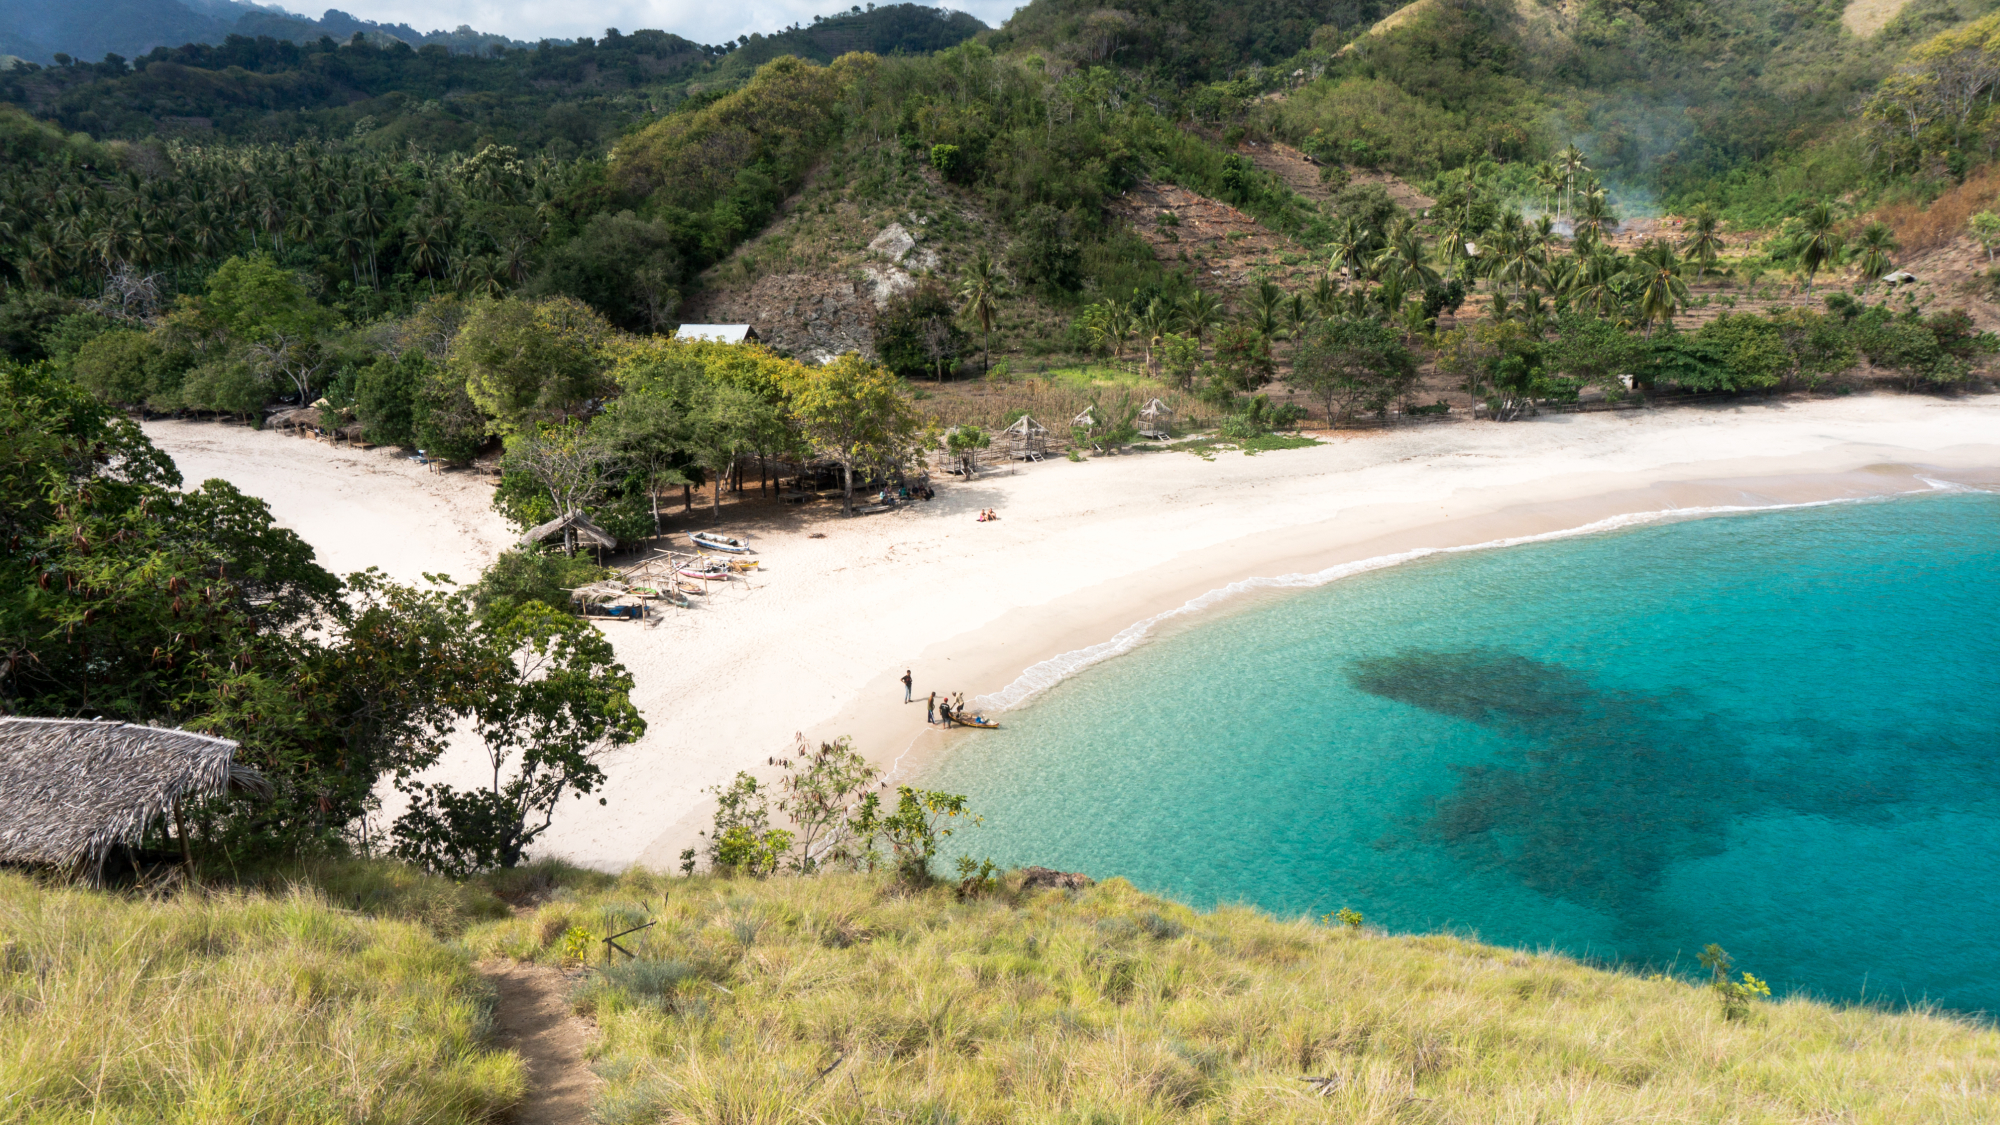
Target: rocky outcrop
1034,877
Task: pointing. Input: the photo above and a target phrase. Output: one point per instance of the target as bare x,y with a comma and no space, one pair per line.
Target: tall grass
845,999
234,1007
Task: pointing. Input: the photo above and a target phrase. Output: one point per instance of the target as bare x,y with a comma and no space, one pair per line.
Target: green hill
847,998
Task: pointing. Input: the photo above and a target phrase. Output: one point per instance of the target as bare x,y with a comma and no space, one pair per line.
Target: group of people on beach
987,515
935,712
942,711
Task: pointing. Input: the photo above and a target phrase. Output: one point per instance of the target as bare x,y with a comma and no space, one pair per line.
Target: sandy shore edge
995,665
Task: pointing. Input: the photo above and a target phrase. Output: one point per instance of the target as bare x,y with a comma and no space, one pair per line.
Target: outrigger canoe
708,572
719,543
980,721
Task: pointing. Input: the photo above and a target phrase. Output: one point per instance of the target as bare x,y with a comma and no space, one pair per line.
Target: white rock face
887,281
893,243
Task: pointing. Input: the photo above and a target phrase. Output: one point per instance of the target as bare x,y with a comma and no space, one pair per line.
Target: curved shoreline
813,645
1166,598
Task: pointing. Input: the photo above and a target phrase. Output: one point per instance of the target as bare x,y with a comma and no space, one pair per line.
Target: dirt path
532,1016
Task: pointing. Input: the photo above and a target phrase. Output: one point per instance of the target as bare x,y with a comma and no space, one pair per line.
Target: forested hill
41,30
575,96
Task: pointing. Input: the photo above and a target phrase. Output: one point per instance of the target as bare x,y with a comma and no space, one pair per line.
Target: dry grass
1927,226
844,999
1056,396
235,1007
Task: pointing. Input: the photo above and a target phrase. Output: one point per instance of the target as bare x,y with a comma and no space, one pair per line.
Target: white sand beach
814,645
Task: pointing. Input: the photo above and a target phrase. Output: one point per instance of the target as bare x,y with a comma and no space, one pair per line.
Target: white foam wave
1047,674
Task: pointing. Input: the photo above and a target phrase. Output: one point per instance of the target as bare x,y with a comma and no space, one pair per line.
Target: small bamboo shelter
73,789
1157,420
576,525
1027,439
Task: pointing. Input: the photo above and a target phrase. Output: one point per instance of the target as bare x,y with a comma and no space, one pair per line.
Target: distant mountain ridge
87,30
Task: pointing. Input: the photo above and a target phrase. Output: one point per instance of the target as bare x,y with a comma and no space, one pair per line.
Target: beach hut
1157,420
71,790
718,333
572,528
1027,439
1086,420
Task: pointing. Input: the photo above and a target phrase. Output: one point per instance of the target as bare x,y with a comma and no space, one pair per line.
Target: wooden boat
741,566
716,542
979,721
706,572
686,587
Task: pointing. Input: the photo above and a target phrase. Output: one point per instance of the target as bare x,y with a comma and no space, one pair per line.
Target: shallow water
1778,731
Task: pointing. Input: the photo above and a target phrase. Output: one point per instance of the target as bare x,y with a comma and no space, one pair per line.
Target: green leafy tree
855,413
546,700
1985,228
1350,363
1876,243
922,820
1662,289
524,362
1735,996
1751,348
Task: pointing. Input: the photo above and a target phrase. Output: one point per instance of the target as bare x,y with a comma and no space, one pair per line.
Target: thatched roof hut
72,789
1027,438
585,531
1157,420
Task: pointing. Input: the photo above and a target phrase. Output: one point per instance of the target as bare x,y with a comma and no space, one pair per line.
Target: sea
1777,731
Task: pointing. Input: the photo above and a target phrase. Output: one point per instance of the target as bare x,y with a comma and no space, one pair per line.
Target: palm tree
1877,243
1547,180
1597,216
1822,243
1406,259
1267,311
1153,324
1325,297
1351,242
1703,244
1662,288
1198,312
1570,163
979,294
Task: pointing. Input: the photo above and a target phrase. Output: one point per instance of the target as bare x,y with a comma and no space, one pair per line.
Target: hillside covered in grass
353,996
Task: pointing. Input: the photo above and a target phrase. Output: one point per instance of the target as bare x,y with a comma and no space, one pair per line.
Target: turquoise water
1778,731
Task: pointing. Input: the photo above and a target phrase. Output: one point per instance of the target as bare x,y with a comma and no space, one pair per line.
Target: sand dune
815,644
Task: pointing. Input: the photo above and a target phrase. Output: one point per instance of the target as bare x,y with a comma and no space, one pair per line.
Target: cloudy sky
566,19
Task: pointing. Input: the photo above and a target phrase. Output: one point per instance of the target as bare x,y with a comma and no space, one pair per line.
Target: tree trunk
716,512
846,487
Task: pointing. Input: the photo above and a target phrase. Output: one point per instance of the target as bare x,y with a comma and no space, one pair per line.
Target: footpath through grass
849,998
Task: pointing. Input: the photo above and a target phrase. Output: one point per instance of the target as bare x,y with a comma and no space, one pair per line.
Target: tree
1818,345
854,412
922,820
1985,228
1591,352
525,362
547,700
1822,243
820,793
1703,245
979,294
1751,348
567,462
1877,242
627,268
1662,289
917,329
1346,362
264,307
964,444
1045,252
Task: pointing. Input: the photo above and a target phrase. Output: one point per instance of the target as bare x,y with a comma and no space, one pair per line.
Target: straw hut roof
1157,409
586,532
71,789
1026,426
1087,419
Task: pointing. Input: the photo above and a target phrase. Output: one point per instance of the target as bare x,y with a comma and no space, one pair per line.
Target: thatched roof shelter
1157,420
72,789
577,522
1086,420
1027,438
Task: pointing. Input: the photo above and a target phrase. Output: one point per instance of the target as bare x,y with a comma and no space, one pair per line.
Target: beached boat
980,721
742,566
686,587
706,571
716,542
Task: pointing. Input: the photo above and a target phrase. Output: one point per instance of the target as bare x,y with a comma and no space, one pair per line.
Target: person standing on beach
907,681
930,710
